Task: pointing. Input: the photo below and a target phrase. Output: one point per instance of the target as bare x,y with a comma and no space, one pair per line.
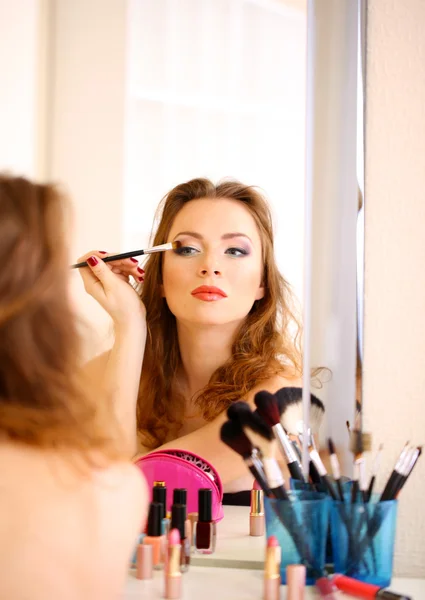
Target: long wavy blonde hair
266,344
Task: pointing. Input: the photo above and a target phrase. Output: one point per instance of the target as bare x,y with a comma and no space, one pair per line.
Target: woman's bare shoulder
275,383
123,484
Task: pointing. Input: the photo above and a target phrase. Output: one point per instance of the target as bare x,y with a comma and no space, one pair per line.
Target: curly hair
266,344
44,401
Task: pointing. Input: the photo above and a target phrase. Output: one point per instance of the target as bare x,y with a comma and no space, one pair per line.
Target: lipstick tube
256,516
173,575
272,570
193,518
178,521
144,561
360,589
295,582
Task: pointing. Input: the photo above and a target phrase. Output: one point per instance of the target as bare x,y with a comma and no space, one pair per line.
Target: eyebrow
225,236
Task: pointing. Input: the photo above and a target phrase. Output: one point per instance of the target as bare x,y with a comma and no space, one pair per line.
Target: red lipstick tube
360,589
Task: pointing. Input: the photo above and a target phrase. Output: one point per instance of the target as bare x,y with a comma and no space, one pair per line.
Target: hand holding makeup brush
109,285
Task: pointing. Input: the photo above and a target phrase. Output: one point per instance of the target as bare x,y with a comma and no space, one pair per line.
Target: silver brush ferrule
284,443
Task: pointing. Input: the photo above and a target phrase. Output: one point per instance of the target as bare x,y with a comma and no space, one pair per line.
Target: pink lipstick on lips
208,293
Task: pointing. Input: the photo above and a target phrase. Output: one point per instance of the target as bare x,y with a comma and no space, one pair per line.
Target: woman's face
215,276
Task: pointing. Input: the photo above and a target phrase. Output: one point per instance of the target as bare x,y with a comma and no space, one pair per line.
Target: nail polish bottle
154,535
139,541
178,521
159,494
180,497
205,533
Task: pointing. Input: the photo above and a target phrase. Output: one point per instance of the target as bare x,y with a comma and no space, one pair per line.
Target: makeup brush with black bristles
290,403
413,459
232,435
133,253
390,486
261,437
268,409
403,468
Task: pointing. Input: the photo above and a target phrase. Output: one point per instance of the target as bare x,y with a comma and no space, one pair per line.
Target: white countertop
235,548
234,571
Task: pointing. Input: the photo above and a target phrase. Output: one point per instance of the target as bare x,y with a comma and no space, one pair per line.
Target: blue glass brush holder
363,538
297,485
300,526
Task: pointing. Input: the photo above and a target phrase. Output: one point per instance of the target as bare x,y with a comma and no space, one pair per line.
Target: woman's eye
186,250
237,251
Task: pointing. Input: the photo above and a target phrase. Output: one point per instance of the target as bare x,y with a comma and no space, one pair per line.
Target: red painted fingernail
92,261
102,252
140,270
140,278
134,260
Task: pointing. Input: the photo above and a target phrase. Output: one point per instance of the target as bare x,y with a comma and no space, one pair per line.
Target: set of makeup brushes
274,432
260,436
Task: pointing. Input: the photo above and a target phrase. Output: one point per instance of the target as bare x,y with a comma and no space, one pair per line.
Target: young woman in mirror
211,323
64,475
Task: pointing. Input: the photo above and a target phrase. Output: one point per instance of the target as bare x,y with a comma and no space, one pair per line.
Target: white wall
394,368
21,89
87,129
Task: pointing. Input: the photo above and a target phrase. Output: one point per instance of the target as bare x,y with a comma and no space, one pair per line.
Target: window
216,88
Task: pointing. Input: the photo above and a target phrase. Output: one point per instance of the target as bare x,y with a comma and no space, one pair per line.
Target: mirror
216,88
334,175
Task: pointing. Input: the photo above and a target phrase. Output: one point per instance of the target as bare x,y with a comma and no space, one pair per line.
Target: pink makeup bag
182,469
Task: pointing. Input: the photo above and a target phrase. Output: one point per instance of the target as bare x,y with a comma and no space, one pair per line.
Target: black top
242,498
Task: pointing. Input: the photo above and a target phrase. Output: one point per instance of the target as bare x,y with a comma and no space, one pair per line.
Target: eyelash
181,251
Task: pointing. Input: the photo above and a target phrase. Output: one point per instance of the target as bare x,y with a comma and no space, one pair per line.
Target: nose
205,272
209,265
